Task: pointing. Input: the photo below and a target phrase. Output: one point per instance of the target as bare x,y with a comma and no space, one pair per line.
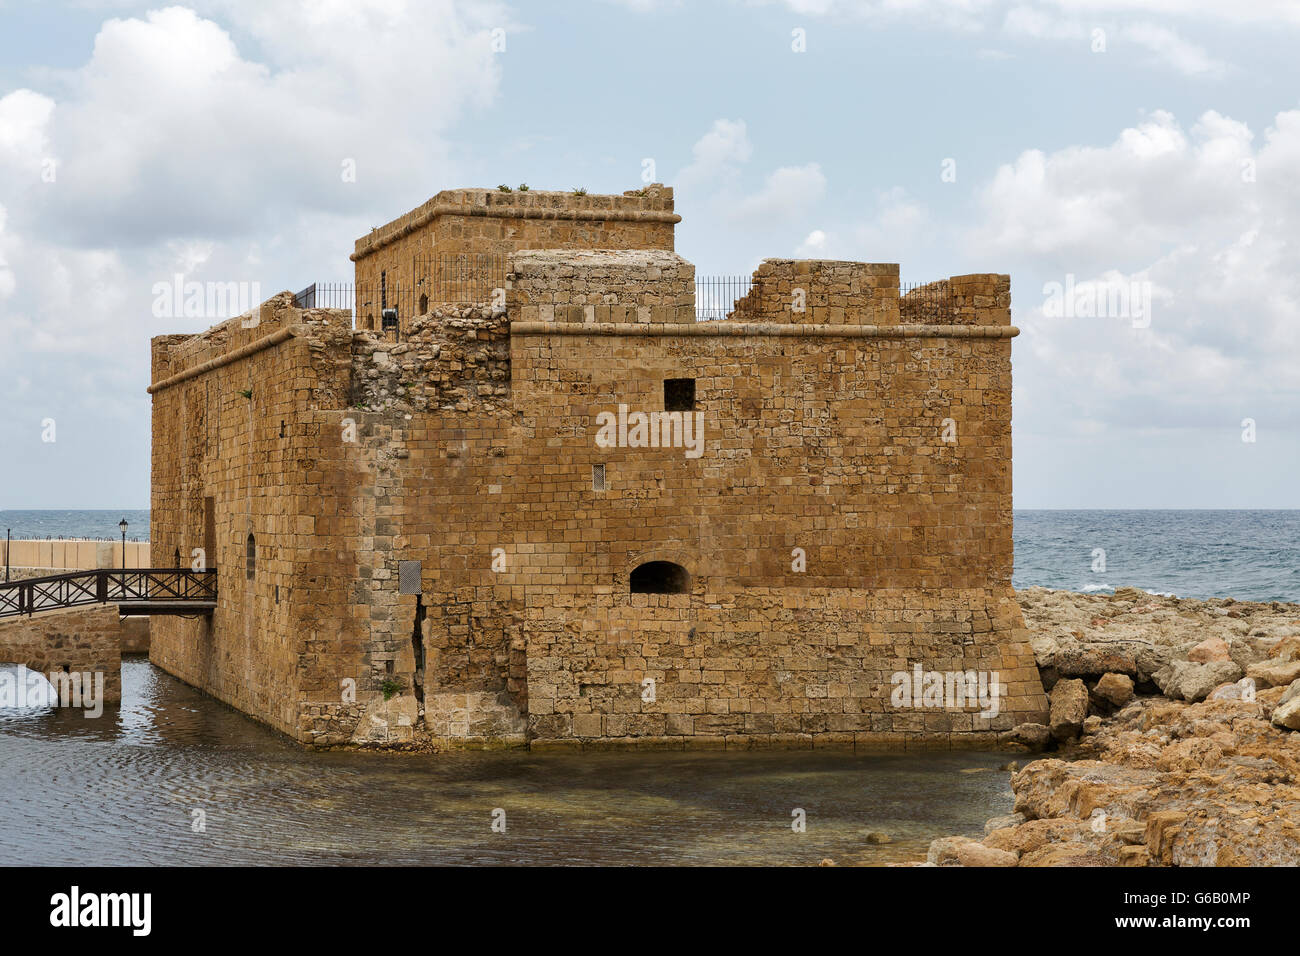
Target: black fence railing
106,586
925,303
479,279
716,296
389,304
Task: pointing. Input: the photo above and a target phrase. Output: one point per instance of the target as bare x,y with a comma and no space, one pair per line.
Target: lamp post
7,546
122,524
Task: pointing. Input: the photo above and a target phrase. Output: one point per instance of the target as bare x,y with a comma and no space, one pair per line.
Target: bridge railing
106,586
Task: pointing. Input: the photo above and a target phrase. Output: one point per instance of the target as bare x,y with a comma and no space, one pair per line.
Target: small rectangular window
597,477
679,394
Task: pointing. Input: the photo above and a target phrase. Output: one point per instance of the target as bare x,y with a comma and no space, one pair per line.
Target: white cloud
812,246
1169,47
181,150
719,152
1188,213
788,192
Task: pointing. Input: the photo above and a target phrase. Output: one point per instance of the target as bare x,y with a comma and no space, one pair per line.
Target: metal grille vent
408,577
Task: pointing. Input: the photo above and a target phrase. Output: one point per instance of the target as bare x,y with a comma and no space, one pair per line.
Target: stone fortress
559,511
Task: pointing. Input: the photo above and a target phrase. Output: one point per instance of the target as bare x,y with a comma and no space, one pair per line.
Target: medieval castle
531,498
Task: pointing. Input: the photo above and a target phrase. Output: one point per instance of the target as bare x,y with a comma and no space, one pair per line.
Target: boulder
1004,821
1210,651
1287,650
1274,673
1243,689
1291,694
1069,708
1287,713
1085,660
977,854
1033,736
963,851
1116,689
1190,681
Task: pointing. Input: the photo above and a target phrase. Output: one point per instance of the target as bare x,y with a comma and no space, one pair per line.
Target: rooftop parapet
599,285
452,211
182,356
830,292
821,292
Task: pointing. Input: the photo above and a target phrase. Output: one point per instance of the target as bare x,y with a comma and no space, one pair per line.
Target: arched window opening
424,304
178,557
660,577
251,555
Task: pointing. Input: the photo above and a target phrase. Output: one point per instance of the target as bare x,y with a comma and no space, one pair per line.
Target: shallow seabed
174,777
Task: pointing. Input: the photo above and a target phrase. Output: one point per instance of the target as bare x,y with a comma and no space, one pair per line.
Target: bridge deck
134,591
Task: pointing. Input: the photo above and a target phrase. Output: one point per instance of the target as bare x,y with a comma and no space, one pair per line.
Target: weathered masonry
626,526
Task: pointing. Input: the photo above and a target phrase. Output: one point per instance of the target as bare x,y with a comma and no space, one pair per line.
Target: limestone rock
1085,660
1287,715
1274,673
1069,708
1117,689
1004,822
977,854
1240,690
1287,650
1033,736
963,851
1210,651
1190,681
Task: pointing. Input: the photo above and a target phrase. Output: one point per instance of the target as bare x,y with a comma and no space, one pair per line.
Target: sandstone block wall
821,292
233,456
765,666
481,223
85,640
880,456
601,286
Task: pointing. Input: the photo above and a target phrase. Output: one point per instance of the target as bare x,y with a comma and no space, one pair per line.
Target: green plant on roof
523,187
580,191
504,188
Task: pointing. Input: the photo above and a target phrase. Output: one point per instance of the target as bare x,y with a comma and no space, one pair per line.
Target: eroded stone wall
821,292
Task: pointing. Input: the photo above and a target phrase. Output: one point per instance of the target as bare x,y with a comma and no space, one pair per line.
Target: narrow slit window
251,555
598,477
679,394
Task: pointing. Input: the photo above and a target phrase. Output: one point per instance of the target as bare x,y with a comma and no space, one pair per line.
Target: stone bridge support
84,639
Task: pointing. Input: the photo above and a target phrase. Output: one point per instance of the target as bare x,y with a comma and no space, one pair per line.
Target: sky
1142,154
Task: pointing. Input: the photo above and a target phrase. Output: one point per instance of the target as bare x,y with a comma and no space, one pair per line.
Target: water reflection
124,788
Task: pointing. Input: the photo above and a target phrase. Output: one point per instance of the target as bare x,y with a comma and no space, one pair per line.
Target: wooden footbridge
136,591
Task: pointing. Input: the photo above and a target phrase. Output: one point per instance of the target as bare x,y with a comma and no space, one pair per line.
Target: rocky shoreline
1173,737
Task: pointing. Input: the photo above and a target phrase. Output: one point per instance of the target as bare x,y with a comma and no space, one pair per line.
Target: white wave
1089,588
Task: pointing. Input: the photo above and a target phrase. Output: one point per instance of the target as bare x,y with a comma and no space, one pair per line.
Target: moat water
174,777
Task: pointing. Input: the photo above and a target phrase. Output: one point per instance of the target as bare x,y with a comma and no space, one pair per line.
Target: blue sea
1247,555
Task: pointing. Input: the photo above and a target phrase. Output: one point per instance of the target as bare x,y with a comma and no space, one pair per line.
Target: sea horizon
1247,554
